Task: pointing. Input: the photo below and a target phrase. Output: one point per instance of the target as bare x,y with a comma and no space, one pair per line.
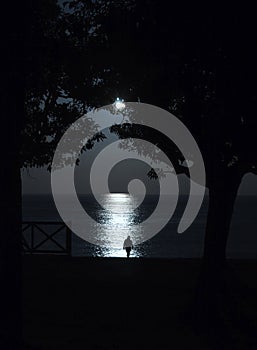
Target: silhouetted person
128,245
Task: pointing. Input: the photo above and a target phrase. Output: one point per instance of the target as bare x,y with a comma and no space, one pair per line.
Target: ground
115,303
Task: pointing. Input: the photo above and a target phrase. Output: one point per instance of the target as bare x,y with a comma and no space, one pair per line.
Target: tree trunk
10,255
12,111
222,197
210,292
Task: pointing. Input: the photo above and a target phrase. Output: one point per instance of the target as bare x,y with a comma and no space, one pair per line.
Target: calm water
119,218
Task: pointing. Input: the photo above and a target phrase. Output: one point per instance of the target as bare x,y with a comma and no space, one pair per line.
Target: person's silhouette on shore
128,245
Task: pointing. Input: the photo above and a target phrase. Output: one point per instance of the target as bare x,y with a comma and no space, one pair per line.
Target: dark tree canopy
198,64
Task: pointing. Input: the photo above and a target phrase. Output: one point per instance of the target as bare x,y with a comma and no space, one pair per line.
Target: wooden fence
46,237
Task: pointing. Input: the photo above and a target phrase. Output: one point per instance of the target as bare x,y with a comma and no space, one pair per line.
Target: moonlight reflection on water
118,220
166,244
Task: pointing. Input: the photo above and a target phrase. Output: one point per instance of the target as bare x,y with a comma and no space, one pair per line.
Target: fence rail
37,234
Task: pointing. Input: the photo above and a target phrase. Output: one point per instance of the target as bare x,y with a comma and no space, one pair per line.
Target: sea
118,217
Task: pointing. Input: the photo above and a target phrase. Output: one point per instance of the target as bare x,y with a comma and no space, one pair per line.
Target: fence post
32,237
69,239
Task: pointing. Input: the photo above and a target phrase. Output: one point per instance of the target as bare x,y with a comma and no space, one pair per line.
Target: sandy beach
115,303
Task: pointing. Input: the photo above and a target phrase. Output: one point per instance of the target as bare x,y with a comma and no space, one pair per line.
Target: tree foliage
198,64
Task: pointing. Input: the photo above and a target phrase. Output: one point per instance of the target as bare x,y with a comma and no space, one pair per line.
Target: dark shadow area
62,59
77,303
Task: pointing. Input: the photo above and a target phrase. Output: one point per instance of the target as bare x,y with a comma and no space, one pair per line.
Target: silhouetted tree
201,66
12,118
197,63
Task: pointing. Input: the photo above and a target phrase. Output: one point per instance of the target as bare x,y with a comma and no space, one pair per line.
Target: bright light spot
119,104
